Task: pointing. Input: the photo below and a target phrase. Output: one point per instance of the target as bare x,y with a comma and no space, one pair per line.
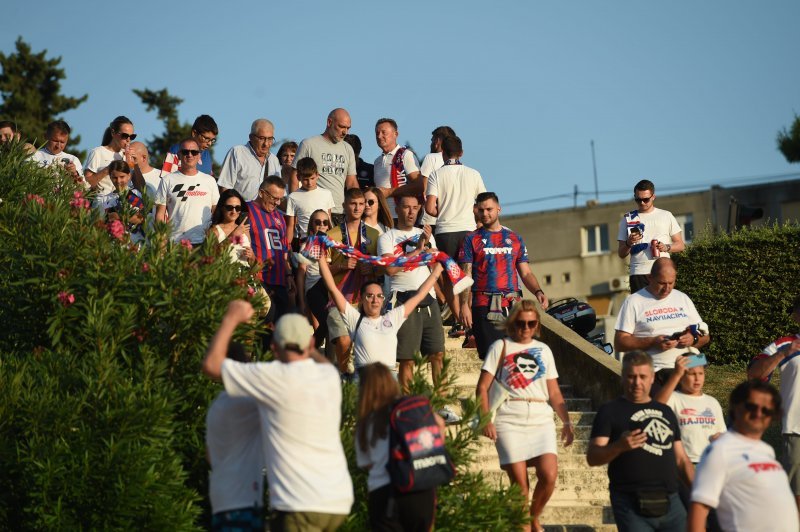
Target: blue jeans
628,519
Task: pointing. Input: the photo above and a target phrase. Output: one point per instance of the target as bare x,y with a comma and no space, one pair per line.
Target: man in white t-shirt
245,166
639,228
396,167
784,354
299,400
151,176
53,151
187,198
661,321
738,474
433,161
336,161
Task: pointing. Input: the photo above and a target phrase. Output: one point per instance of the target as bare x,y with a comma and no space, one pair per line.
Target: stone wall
592,372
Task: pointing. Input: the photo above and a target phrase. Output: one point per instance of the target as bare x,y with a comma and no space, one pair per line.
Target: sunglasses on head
321,222
126,136
190,152
642,200
231,208
522,324
753,408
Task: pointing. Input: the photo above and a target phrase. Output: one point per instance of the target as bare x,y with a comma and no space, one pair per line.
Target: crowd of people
673,462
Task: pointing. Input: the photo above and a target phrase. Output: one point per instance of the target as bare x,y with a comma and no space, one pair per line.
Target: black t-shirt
650,466
365,174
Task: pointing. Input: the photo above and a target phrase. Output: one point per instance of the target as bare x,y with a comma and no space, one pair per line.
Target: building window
548,279
565,277
687,225
595,239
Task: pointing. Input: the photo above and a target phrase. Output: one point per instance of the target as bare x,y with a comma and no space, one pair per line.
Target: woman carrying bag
523,429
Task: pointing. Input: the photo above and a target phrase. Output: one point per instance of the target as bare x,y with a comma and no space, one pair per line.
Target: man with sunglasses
187,198
783,354
640,227
204,132
245,166
738,474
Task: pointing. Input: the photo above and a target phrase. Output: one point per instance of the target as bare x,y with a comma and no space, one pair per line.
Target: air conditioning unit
619,284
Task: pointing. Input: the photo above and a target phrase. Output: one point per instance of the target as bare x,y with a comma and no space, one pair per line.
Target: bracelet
669,247
537,291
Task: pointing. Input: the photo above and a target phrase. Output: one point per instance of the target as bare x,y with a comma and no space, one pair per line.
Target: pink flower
145,267
237,239
35,197
250,292
66,298
115,229
78,201
185,243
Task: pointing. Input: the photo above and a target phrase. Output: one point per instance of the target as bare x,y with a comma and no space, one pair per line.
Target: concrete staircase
581,500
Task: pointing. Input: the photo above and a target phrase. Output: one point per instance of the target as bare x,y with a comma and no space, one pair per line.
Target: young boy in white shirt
305,200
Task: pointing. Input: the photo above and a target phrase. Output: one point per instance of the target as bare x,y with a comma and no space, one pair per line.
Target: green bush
102,403
742,285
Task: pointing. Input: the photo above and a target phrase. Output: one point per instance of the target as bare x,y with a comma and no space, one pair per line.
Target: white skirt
524,431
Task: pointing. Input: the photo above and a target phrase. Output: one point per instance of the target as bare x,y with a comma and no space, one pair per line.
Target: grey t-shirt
334,163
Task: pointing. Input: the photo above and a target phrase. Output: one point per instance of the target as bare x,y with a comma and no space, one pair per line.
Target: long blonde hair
378,390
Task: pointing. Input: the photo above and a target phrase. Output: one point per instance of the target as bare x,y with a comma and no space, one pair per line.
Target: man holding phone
639,229
661,321
53,151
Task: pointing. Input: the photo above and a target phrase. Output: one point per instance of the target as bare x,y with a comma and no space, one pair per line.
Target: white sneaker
450,417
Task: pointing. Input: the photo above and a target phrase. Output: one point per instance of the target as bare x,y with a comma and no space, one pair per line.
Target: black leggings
409,512
317,300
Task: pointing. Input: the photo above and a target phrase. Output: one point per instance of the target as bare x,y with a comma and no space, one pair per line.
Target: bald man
247,165
143,170
335,160
661,321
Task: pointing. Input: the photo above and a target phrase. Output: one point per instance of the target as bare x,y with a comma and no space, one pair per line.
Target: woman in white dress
524,430
229,226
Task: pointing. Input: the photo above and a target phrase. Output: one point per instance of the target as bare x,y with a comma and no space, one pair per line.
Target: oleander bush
102,402
742,284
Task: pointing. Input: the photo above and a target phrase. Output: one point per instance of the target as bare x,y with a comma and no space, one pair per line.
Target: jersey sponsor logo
658,430
191,191
498,251
760,467
273,238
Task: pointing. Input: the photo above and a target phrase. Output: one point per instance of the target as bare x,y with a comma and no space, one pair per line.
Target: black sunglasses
321,222
190,152
642,200
522,324
371,202
231,208
126,136
753,408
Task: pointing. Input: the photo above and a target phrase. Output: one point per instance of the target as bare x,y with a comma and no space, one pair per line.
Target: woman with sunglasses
229,226
116,143
312,294
374,335
523,429
376,210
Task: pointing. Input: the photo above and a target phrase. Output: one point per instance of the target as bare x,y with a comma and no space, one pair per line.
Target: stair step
487,460
576,511
580,528
575,484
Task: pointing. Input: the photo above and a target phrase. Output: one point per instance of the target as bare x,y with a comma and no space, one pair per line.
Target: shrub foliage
742,284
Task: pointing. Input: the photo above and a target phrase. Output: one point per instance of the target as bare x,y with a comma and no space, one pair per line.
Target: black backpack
418,460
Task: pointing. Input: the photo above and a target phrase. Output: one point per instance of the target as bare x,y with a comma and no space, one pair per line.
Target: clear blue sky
684,93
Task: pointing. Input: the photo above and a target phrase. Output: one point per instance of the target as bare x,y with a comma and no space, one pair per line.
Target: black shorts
486,332
398,512
637,282
450,243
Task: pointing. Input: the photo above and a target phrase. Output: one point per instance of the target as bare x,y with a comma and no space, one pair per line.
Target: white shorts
519,442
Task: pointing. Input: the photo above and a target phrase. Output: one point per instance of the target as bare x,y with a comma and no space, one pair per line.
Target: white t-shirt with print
405,281
97,160
189,200
376,339
524,373
383,171
643,315
699,416
302,203
235,452
455,187
740,477
659,225
300,408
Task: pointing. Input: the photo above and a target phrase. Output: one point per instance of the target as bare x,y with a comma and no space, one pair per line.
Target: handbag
652,503
498,394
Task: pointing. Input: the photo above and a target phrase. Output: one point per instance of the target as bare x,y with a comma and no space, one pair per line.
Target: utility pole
575,197
594,166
